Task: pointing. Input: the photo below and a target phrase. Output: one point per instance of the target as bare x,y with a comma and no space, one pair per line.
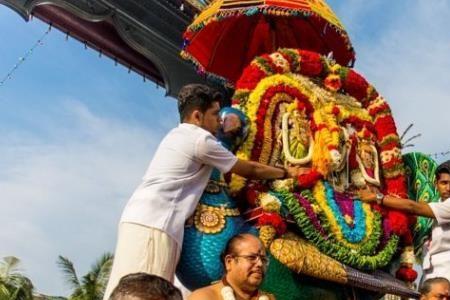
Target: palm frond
13,284
5,293
69,272
102,268
92,285
9,265
23,289
94,282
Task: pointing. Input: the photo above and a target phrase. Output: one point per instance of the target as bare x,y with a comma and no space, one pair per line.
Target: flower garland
312,216
308,180
326,139
267,123
273,219
371,118
352,238
269,203
260,102
227,292
270,222
374,228
352,257
358,232
380,122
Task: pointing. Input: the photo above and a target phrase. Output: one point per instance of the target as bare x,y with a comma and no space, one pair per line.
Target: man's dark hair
196,97
427,285
443,168
230,247
145,287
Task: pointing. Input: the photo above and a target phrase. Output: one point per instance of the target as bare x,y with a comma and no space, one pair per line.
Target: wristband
379,198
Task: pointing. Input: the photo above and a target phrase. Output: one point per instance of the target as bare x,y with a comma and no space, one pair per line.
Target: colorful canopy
228,34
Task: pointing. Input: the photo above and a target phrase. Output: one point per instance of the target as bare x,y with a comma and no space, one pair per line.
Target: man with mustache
437,261
245,263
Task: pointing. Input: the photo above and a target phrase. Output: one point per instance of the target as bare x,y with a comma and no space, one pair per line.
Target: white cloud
62,191
65,197
408,62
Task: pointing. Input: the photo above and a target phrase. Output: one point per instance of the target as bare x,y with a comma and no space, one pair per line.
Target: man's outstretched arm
255,170
406,205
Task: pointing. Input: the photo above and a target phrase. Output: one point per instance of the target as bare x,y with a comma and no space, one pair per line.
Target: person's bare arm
406,205
255,170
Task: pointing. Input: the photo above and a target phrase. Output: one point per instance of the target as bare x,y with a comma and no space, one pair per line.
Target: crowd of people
151,228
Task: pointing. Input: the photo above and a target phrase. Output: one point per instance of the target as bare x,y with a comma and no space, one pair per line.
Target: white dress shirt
176,178
437,261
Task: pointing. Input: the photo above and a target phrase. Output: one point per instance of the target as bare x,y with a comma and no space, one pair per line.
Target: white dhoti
142,249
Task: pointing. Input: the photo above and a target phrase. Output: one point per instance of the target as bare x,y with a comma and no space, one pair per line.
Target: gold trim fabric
211,219
302,257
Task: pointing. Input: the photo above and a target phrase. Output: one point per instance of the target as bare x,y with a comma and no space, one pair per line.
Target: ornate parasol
228,34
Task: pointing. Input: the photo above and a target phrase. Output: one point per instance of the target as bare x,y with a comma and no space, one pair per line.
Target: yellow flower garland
268,138
326,138
252,105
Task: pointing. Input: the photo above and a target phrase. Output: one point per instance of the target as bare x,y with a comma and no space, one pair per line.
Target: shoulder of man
204,293
441,211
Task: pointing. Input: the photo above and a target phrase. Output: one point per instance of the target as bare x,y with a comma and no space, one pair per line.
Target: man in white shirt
151,227
437,261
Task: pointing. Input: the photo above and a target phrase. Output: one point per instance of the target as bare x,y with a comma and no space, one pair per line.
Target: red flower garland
308,180
273,219
333,82
311,64
252,192
398,222
406,274
355,85
250,77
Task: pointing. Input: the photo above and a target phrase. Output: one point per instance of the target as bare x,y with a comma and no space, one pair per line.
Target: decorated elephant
298,108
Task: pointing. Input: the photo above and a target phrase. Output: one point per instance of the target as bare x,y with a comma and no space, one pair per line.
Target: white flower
280,61
227,293
269,202
283,185
336,157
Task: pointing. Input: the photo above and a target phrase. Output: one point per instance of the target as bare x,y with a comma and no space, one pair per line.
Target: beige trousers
142,249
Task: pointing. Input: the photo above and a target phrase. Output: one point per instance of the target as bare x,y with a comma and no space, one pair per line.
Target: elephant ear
420,170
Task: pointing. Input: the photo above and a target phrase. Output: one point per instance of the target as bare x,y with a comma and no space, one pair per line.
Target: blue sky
77,132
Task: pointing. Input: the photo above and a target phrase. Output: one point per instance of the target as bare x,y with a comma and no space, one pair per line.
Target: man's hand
367,196
294,171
